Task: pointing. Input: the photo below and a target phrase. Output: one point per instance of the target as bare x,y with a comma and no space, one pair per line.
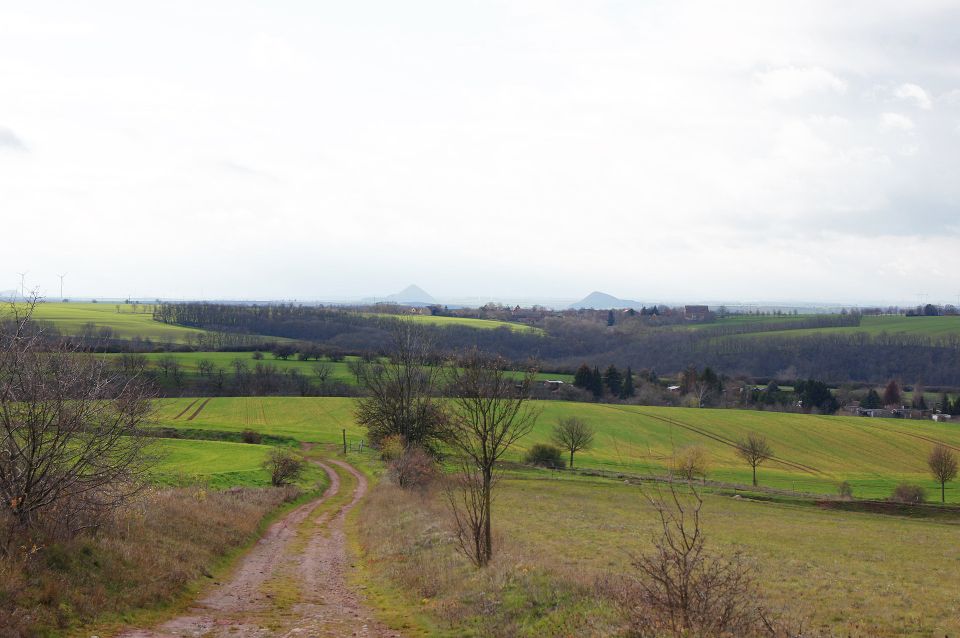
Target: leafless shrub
907,493
692,462
413,468
681,589
845,490
284,466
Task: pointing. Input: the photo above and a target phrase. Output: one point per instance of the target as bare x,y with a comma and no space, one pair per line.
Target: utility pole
22,275
61,284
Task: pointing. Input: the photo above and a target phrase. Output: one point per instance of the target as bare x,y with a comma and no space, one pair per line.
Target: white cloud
896,122
792,82
10,141
913,93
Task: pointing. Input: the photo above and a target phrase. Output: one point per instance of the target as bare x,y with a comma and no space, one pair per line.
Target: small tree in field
488,414
573,434
943,466
754,450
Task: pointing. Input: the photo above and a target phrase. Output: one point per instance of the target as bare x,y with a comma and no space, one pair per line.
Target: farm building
941,417
696,313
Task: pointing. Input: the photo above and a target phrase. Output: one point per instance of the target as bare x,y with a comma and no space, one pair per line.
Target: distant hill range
412,295
602,301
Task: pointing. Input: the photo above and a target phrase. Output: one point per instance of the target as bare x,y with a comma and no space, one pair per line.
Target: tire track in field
721,439
200,409
880,428
184,411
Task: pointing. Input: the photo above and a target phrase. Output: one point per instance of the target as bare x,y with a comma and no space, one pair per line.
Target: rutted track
184,411
302,555
200,409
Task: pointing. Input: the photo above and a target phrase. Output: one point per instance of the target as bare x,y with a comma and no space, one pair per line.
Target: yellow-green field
467,322
934,327
814,453
71,319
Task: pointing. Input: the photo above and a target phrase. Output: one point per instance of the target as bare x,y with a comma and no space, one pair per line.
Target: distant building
696,313
553,384
941,417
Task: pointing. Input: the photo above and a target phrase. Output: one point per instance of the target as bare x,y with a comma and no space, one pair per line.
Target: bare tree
401,391
322,372
682,589
205,367
754,450
71,447
489,413
943,466
573,434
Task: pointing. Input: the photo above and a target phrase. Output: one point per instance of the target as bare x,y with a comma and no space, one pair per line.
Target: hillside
813,453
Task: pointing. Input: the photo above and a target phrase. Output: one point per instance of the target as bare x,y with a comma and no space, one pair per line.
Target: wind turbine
61,284
22,275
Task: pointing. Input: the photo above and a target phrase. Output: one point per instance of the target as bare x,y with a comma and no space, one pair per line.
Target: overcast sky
653,150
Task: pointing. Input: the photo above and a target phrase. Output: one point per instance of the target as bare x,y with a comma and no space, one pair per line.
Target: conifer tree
627,390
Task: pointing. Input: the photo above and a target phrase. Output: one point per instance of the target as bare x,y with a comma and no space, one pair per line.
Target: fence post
344,442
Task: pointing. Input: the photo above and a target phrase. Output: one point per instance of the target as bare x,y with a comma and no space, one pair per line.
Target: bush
392,447
412,469
845,490
284,466
545,455
907,493
251,436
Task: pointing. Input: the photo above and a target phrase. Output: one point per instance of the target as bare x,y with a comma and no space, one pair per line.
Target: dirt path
292,583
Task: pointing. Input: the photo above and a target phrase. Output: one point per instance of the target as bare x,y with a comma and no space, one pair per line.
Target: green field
814,453
339,370
217,464
71,319
934,327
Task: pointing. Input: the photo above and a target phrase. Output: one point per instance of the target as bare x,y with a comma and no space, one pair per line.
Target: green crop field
467,322
935,327
339,370
813,453
71,318
217,464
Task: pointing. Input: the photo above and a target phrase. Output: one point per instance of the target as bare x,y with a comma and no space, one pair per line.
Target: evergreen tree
871,401
613,380
919,402
627,390
584,377
945,403
610,318
596,383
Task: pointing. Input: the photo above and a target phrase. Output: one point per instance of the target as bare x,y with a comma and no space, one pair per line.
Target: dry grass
146,557
407,538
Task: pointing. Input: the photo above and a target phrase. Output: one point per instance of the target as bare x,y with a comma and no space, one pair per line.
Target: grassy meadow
933,327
